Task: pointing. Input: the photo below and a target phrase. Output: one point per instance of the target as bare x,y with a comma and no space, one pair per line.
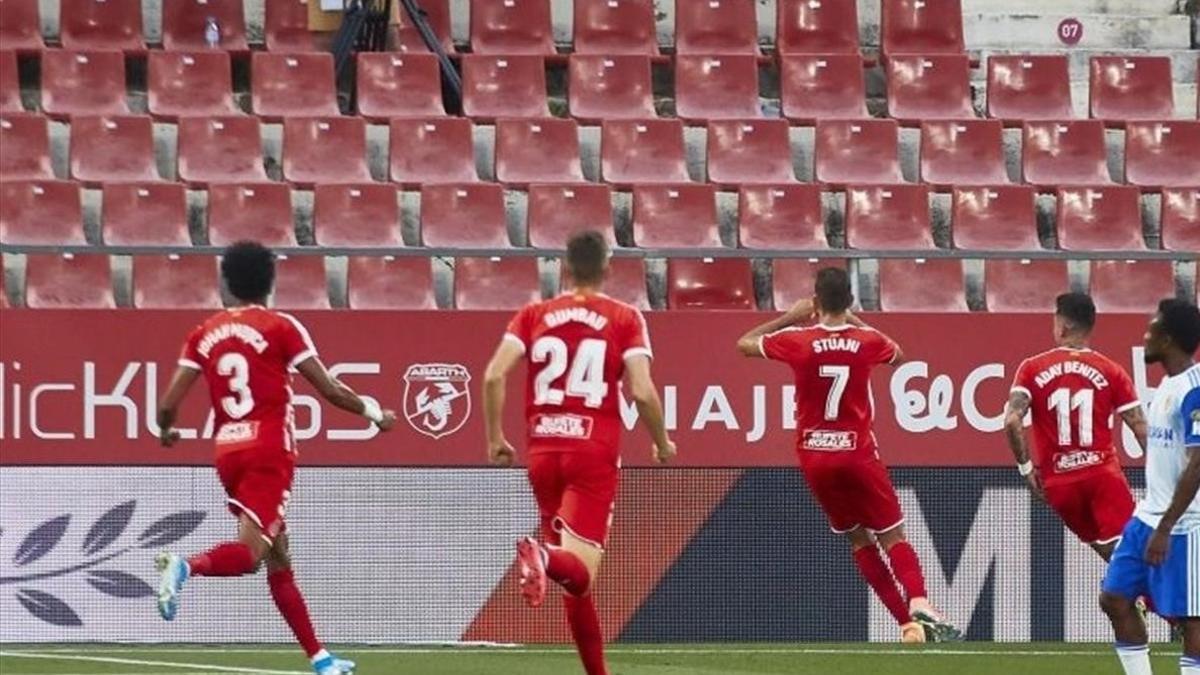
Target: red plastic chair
468,215
83,83
68,281
918,285
537,151
25,138
145,214
21,26
781,216
821,27
1028,88
1127,88
176,282
366,214
795,279
504,86
1181,219
496,283
184,23
642,151
292,85
407,39
675,216
716,87
261,212
723,283
325,150
4,304
220,150
921,27
183,84
1162,154
398,85
612,27
42,212
1064,153
995,217
511,27
300,283
10,84
1106,218
556,212
609,87
749,151
286,28
822,86
1134,287
963,152
712,27
118,148
433,150
857,151
929,87
101,24
626,282
1024,285
888,217
388,282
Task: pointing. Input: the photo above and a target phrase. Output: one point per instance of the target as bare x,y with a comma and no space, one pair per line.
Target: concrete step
1040,31
1122,7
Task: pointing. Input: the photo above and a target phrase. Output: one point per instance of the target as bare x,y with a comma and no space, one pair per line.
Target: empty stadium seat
83,83
10,84
189,84
41,212
398,85
4,303
101,24
504,86
433,150
145,214
963,152
366,214
407,38
184,23
995,217
1024,285
1159,154
558,211
325,150
1028,87
716,87
749,151
496,283
286,85
723,283
795,279
21,26
176,282
1126,88
389,282
921,27
285,28
888,217
116,148
857,151
716,27
1181,219
918,285
220,150
612,27
609,87
675,216
467,215
537,151
25,138
929,87
1064,153
300,283
822,86
642,151
626,281
1107,218
821,27
1131,286
262,212
68,281
511,27
781,216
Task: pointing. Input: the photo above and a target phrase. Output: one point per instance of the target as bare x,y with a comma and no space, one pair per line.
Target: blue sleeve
1190,410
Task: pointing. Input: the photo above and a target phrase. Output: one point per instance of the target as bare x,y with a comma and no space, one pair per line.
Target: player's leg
227,559
1125,580
292,607
875,572
580,607
1189,662
545,478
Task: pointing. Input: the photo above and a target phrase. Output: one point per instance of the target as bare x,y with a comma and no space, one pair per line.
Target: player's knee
1114,605
860,538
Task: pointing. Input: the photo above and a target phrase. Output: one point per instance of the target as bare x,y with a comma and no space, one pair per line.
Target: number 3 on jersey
585,379
237,369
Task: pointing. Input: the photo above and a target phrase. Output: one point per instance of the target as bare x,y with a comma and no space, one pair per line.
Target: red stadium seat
907,285
723,283
325,150
675,216
176,282
1027,88
10,83
716,87
1181,219
537,151
921,27
118,148
21,26
712,27
1162,154
610,87
145,214
83,83
822,86
995,217
511,27
184,23
781,216
407,38
929,87
398,85
496,283
822,27
68,281
857,151
25,138
643,151
356,215
888,217
262,212
1131,286
558,211
1024,285
1107,218
434,150
749,151
220,150
300,283
286,28
963,152
1127,88
612,27
41,212
189,84
468,215
388,282
626,282
1064,153
504,86
101,24
795,279
292,85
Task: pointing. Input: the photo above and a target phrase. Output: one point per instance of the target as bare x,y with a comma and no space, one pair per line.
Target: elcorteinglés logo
437,398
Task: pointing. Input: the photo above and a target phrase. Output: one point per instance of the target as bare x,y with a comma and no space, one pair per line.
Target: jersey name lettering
226,331
1071,368
836,344
584,315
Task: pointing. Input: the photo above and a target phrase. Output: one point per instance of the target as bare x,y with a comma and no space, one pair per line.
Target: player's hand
388,421
1035,486
1156,550
803,310
664,453
169,437
501,453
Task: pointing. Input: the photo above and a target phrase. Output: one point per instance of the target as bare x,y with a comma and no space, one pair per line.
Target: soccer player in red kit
578,346
1072,392
246,355
832,362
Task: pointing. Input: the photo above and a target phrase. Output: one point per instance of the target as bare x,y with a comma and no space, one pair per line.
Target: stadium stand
1028,88
962,152
1024,285
102,24
220,150
359,214
626,282
781,216
184,23
537,151
888,217
511,27
10,85
495,283
83,83
466,215
145,214
407,39
325,150
175,282
675,216
388,282
1181,219
825,86
609,87
558,211
642,151
1130,286
793,279
716,27
285,28
995,217
300,283
722,283
189,84
919,285
857,151
68,280
25,138
1106,218
716,87
504,86
261,211
431,150
614,27
398,85
825,27
749,151
21,26
291,85
921,27
44,212
1125,88
1162,154
925,87
116,148
1064,153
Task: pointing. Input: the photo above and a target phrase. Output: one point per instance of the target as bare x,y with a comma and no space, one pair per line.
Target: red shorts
258,482
854,493
576,492
1096,508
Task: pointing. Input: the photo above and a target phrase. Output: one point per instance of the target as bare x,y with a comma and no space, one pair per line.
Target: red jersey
832,364
576,347
246,355
1073,394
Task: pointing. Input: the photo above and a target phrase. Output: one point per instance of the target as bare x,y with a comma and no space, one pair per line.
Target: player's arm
495,381
649,405
1014,432
1135,419
168,406
341,396
1185,493
750,344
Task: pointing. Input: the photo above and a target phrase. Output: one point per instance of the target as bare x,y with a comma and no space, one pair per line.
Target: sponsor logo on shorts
437,400
562,426
1080,459
830,441
237,432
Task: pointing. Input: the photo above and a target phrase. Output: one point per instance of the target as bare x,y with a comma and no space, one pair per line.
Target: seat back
888,217
511,27
68,281
398,85
963,152
556,212
41,212
716,27
1029,87
613,27
722,283
1024,285
463,215
822,86
781,216
503,86
431,150
176,282
675,216
357,214
995,217
292,85
908,285
495,283
388,282
825,27
749,151
261,212
857,151
145,214
610,87
189,84
220,150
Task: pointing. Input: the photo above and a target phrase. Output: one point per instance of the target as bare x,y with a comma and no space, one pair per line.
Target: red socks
567,570
291,605
879,578
231,559
907,569
585,629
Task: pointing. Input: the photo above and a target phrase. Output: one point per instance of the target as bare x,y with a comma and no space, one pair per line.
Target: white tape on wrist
371,410
1025,468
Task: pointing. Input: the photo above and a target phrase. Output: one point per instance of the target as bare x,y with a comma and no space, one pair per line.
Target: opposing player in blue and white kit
1159,552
